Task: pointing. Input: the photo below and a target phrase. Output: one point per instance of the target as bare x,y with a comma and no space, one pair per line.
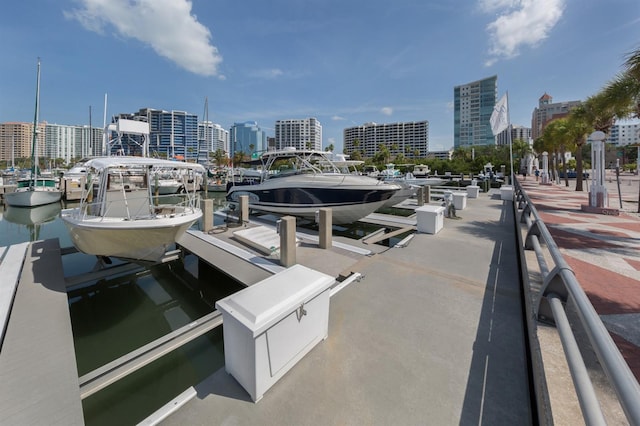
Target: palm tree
557,134
578,128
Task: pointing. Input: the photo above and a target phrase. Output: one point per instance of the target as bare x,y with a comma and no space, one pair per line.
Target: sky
344,62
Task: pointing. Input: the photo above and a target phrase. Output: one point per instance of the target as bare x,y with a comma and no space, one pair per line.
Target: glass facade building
247,138
473,106
172,134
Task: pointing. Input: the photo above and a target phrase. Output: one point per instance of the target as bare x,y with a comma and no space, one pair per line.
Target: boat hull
350,197
141,239
32,197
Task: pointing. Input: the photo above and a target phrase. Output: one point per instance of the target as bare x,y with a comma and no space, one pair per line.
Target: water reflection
32,217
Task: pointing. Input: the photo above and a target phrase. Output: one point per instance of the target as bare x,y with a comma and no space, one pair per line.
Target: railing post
427,194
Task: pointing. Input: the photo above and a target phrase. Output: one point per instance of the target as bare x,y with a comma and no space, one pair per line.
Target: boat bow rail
559,285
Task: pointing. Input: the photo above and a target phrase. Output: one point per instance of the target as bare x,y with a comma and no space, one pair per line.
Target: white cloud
520,23
337,118
167,26
387,110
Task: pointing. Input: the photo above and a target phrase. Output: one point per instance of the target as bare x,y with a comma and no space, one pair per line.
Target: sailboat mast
34,142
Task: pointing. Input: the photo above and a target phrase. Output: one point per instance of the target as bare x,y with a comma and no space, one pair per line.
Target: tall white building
214,136
624,133
410,139
303,133
71,142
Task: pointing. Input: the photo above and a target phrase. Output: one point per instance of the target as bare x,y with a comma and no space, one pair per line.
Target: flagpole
510,144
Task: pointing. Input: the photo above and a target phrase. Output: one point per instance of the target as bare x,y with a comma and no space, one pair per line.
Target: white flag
500,116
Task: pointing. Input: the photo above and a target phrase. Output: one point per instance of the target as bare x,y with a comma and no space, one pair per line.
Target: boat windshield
129,180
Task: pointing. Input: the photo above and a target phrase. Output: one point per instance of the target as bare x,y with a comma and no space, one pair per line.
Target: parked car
572,174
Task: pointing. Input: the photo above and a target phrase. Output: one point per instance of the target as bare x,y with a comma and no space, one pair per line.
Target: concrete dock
37,359
432,334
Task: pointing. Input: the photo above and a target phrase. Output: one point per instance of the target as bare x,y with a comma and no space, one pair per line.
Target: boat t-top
298,182
119,216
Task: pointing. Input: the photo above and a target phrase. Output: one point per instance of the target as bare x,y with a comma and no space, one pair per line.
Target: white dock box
506,192
269,326
473,191
460,200
430,219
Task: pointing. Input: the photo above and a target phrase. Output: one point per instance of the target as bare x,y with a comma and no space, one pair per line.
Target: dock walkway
38,372
432,334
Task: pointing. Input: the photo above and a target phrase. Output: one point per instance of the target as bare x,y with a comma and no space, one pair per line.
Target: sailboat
34,190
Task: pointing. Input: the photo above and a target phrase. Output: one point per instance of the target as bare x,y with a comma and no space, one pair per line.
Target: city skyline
340,63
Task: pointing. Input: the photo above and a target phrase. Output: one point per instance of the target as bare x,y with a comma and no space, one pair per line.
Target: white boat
166,182
35,190
421,170
217,179
119,216
299,182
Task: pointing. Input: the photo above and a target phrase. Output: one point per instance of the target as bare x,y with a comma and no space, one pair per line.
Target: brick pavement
604,253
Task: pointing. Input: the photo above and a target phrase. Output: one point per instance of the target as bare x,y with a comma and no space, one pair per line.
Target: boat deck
432,334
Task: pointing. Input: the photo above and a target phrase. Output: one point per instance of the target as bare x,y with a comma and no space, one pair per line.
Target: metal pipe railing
559,284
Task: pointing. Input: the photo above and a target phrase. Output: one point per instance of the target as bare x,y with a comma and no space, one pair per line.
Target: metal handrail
558,284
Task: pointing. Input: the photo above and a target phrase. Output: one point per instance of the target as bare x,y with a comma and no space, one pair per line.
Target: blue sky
344,62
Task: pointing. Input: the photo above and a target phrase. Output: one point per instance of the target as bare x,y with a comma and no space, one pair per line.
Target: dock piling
325,226
244,208
207,215
288,241
420,196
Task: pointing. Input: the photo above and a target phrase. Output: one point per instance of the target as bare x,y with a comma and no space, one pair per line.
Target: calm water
114,316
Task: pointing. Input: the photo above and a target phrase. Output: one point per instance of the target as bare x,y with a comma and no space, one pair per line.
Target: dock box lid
430,209
265,303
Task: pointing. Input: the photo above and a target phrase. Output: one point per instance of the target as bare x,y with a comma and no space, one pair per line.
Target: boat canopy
125,161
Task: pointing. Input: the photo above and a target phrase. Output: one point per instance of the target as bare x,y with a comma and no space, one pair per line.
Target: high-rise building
472,107
172,134
213,136
246,138
547,111
16,140
624,133
517,133
61,142
303,133
410,139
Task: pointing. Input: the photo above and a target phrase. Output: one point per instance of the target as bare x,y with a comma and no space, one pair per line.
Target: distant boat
35,190
298,182
421,170
120,217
